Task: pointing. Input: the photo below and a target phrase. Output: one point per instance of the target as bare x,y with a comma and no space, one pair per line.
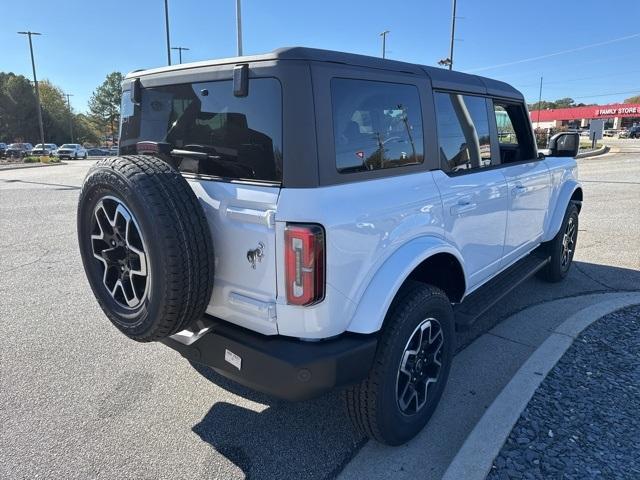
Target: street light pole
35,82
70,115
239,26
539,102
453,34
179,49
166,24
384,43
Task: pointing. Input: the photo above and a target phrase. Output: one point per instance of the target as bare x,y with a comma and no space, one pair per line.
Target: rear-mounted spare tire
145,246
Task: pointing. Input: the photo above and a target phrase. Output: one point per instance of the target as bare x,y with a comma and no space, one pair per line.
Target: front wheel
410,369
562,247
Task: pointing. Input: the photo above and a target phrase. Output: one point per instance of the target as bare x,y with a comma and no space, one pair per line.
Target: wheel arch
570,192
421,260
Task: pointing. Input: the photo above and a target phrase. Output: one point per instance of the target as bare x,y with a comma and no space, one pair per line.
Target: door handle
518,190
463,206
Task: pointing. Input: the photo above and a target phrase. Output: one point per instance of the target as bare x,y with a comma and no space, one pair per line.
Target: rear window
241,135
376,125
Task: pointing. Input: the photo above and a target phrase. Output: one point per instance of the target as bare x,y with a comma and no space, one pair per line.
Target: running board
467,312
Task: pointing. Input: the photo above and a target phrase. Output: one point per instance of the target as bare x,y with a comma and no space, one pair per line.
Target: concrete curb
474,460
4,168
592,153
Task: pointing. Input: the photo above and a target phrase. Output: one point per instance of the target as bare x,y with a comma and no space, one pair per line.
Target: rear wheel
145,245
410,369
562,247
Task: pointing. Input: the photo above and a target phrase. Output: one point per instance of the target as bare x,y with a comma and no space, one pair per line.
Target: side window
514,133
376,125
463,132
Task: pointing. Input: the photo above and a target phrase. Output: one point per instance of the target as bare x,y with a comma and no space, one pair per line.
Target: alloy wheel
568,242
420,366
118,246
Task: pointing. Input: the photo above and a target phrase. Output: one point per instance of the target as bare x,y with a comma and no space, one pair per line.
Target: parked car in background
634,132
71,151
3,148
584,133
113,151
624,133
610,132
18,150
97,152
47,149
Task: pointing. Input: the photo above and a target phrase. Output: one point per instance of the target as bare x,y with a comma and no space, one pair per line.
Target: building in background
616,116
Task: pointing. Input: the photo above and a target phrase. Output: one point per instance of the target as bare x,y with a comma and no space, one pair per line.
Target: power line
607,94
616,74
554,54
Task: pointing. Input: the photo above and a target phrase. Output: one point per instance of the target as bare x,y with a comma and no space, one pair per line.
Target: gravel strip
584,420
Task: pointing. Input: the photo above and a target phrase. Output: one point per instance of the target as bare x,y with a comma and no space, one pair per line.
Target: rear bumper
281,366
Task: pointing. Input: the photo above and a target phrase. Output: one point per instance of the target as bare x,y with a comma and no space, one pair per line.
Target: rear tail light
304,263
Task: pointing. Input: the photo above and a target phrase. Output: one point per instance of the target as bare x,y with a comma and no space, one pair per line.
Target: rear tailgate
241,220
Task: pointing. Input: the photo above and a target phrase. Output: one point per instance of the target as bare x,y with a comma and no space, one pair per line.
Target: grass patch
587,145
31,160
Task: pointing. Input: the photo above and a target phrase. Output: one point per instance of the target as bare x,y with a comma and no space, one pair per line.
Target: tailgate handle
251,215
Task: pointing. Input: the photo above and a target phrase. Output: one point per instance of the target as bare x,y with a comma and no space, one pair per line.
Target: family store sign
618,111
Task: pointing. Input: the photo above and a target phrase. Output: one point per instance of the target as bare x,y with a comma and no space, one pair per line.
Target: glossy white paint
377,233
529,195
240,218
373,305
475,219
365,224
563,179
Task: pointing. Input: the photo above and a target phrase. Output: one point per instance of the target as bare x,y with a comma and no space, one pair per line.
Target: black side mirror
564,144
136,91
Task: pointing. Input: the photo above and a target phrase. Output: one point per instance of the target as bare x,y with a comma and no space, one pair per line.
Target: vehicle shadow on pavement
303,440
314,439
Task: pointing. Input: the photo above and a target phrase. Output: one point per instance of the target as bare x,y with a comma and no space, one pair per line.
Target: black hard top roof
440,78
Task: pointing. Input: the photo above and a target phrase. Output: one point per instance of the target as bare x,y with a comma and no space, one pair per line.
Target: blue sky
86,39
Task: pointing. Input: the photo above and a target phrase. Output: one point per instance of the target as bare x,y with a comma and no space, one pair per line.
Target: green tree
17,109
565,103
55,113
104,104
86,130
634,99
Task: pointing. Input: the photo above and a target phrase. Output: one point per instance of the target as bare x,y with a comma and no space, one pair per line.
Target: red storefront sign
594,111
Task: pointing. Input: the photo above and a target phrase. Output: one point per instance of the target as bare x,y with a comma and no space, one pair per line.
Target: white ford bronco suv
306,219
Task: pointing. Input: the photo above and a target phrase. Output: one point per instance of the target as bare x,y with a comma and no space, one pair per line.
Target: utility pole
453,34
35,82
166,24
384,43
539,102
239,26
179,49
70,115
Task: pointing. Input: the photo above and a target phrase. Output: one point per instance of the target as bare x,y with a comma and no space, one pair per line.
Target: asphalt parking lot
79,400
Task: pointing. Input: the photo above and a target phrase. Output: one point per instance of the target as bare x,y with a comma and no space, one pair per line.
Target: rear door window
463,132
376,125
242,136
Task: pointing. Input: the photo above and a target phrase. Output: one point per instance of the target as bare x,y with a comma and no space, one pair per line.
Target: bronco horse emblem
255,256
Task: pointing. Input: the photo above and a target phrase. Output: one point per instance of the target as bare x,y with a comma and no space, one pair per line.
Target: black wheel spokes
420,366
118,245
568,242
